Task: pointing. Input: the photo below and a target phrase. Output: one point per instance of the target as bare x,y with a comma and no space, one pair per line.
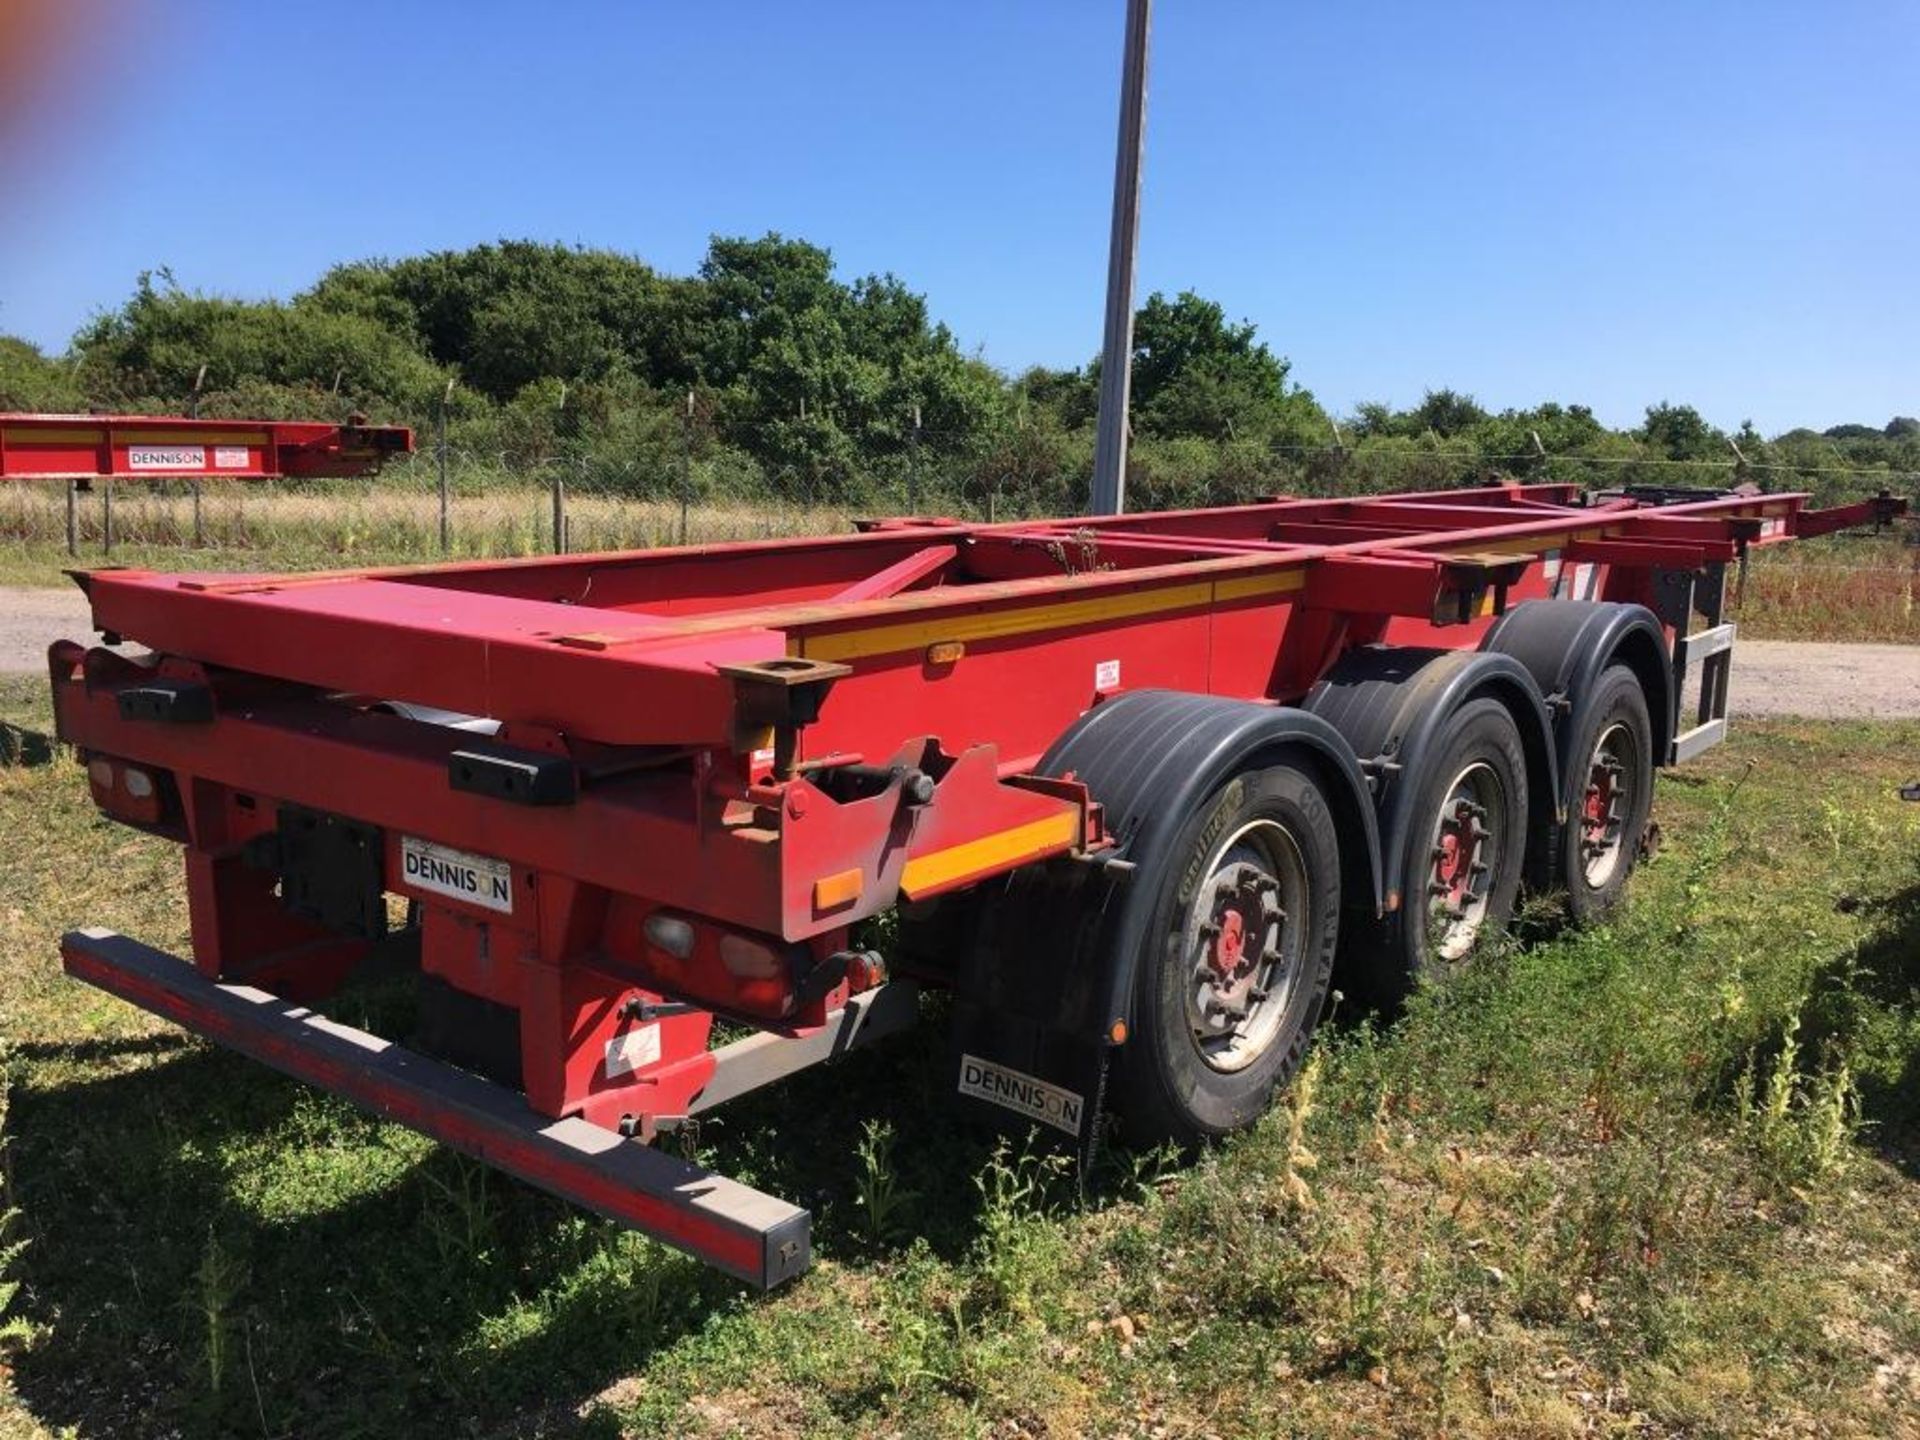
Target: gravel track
32,619
1770,677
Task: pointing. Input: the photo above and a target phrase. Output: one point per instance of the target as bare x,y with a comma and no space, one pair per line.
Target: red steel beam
169,447
503,639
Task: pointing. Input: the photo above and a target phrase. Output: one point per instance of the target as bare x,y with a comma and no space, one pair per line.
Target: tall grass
15,1330
1841,589
271,526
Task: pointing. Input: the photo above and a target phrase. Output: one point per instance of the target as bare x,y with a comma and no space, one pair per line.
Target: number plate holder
332,872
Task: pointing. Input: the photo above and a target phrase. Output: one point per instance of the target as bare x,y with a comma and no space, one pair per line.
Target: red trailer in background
1137,785
169,447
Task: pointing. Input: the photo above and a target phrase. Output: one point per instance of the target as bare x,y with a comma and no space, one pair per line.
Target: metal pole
446,528
73,519
1116,353
686,465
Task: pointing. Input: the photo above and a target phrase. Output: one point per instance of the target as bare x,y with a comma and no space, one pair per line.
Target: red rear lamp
126,791
749,959
669,933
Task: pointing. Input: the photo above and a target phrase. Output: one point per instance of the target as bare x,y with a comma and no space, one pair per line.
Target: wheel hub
1600,816
1240,940
1467,845
1457,861
1611,771
1240,944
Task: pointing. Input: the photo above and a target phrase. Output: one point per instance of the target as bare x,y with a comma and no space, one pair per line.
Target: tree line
766,375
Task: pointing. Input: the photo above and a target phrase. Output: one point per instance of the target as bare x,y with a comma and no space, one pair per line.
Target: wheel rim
1465,854
1611,776
1244,930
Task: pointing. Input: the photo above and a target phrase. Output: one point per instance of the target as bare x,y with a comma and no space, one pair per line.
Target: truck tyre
1466,845
1236,959
1610,785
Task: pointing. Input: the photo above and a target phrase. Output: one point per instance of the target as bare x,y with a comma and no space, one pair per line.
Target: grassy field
1844,588
1660,1178
265,527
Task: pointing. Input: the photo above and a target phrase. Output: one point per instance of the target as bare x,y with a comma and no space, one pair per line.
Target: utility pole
1116,352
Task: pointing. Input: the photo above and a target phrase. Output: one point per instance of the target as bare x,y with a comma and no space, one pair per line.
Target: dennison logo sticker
477,879
1020,1093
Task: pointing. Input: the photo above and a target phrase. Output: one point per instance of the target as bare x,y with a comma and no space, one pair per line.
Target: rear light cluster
750,959
739,971
670,933
129,792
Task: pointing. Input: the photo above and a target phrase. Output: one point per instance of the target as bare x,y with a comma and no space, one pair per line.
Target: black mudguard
1566,645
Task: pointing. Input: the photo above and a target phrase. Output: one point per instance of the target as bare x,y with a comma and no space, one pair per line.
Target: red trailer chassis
169,447
625,794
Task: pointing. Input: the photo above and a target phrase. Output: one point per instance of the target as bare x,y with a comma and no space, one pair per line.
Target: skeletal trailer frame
625,794
86,448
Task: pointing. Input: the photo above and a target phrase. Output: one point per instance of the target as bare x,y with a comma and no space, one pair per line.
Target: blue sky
1716,202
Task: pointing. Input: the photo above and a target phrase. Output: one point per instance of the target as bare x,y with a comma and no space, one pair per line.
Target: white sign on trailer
1021,1093
459,874
166,457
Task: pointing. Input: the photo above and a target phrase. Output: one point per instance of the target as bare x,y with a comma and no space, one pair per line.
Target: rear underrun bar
757,1237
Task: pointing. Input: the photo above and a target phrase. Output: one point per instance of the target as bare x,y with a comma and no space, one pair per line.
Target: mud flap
1029,1054
1026,1079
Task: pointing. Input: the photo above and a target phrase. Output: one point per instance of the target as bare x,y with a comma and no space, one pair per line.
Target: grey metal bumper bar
759,1238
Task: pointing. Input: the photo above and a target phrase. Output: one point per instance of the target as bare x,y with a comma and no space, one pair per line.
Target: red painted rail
168,447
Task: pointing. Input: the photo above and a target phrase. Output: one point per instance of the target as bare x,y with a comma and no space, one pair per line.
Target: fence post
106,517
193,413
913,465
73,519
686,465
559,514
199,528
446,531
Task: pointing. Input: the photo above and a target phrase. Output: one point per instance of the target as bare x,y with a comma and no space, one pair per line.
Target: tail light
749,959
129,792
669,933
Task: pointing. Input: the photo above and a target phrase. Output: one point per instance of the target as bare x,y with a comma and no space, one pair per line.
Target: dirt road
1770,677
31,620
